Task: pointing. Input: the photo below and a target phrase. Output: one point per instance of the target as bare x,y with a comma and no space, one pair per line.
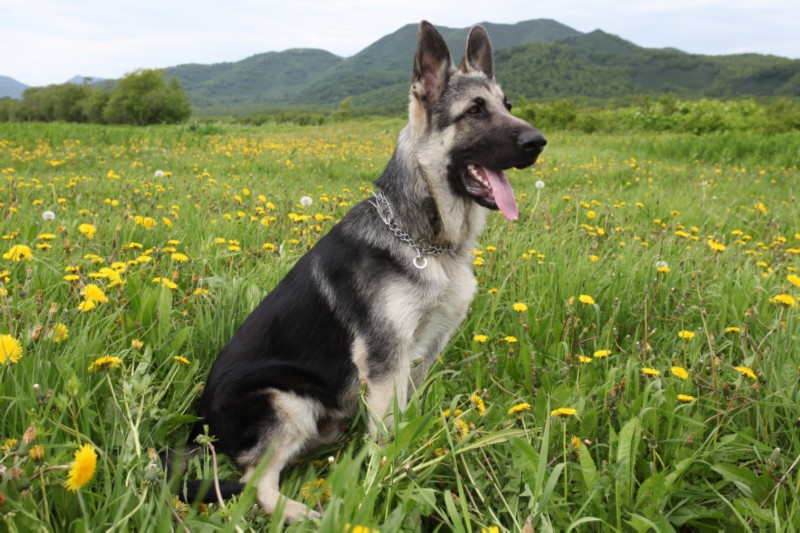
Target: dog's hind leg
292,433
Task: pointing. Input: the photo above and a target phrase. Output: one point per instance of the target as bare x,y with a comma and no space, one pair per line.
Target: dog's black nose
531,141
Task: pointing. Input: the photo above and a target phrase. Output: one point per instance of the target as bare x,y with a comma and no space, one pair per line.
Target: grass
665,233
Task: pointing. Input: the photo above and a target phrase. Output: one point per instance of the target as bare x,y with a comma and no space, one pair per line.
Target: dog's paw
297,512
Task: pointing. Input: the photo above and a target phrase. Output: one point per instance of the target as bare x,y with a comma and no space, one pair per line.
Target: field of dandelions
630,362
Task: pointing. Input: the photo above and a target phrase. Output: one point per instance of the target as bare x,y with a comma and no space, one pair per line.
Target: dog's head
465,112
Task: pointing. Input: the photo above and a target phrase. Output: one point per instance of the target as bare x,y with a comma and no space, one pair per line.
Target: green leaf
588,468
629,438
751,509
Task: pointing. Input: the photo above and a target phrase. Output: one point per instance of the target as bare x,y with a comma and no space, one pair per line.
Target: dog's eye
474,110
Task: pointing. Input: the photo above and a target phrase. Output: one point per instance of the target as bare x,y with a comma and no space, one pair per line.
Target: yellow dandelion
316,492
651,372
18,252
746,371
82,468
518,408
93,293
481,339
181,359
586,299
602,353
510,339
166,282
462,428
36,453
563,412
679,372
59,332
784,299
88,229
686,398
793,279
683,334
493,290
10,350
520,307
179,257
480,406
107,362
136,344
86,306
732,329
575,443
585,360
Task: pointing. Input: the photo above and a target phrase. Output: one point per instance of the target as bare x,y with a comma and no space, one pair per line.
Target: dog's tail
194,490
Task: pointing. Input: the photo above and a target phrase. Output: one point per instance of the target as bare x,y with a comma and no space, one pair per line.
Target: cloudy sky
50,41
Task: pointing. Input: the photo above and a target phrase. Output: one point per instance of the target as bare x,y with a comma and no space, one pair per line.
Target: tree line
140,98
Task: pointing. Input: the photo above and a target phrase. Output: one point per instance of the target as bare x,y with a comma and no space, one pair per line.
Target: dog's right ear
432,64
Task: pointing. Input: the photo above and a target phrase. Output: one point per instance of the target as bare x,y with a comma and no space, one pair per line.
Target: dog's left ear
478,52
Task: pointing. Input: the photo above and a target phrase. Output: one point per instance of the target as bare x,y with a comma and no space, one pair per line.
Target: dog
384,290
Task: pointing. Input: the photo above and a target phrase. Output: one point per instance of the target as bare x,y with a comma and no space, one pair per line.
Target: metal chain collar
384,209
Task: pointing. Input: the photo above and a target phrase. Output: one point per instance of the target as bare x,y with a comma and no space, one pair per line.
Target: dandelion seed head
48,215
539,184
306,201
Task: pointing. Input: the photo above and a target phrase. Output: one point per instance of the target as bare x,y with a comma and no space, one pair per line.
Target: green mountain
11,88
600,65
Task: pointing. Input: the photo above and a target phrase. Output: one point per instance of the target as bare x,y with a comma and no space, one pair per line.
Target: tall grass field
631,361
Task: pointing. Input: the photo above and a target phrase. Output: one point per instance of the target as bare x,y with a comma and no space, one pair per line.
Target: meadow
630,362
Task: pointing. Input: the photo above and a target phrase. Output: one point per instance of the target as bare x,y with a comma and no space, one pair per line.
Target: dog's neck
424,206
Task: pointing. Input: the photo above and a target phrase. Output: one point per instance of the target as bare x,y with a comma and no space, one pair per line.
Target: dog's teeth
470,167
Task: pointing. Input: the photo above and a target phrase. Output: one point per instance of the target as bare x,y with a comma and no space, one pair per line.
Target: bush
143,97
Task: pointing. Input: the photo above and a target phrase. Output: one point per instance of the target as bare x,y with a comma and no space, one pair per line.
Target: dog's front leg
381,393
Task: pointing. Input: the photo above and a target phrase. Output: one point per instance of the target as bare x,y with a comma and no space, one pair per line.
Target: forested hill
534,59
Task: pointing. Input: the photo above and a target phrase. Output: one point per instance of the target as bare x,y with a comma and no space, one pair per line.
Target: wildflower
158,174
481,339
716,246
18,252
586,299
784,299
462,427
575,443
107,362
480,406
518,408
358,529
306,201
732,329
48,215
136,344
93,293
687,335
181,359
746,371
686,398
88,230
166,282
594,258
539,184
493,290
10,350
564,412
490,529
679,372
59,332
86,306
82,468
602,353
179,257
36,453
316,492
585,360
510,339
651,372
793,279
590,214
268,246
520,307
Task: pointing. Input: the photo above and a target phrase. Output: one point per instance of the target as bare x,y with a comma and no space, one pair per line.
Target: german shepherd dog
384,290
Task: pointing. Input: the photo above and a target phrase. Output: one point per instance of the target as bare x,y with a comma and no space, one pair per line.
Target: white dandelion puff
48,215
306,201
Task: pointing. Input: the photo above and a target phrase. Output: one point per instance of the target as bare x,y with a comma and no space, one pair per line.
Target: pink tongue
503,194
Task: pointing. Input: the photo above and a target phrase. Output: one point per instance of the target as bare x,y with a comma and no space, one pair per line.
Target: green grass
613,209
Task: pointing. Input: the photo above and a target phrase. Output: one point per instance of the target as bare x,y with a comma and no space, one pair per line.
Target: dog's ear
478,52
432,64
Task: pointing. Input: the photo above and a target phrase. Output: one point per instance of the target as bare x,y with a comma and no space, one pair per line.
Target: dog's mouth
491,189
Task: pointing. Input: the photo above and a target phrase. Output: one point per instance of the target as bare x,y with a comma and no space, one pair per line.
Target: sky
50,41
